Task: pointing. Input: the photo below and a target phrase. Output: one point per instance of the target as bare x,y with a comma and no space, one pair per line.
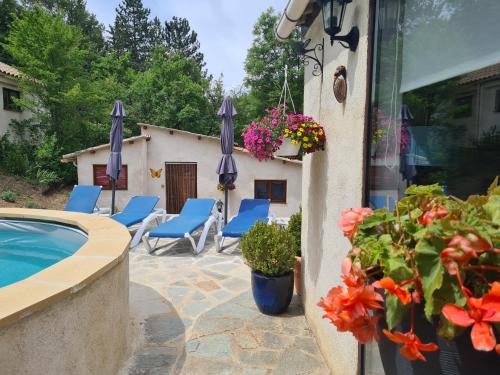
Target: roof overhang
296,13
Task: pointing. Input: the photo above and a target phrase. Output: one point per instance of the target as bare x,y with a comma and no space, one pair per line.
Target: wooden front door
180,184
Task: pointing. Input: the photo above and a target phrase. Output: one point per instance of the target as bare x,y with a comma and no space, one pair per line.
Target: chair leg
204,234
191,239
145,239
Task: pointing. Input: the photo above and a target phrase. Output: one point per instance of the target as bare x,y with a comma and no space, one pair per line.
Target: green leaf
395,266
430,270
394,311
492,208
448,293
448,330
434,189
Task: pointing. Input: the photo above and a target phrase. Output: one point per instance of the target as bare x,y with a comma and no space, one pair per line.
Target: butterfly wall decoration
155,173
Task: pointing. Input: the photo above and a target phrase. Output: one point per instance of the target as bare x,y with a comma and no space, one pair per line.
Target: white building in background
176,165
9,90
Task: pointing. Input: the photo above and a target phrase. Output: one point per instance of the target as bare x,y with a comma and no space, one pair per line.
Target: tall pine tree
181,40
131,32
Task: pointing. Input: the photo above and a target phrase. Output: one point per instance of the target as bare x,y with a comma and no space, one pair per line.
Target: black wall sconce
333,17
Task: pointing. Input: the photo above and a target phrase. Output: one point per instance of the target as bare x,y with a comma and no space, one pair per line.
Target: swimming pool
28,247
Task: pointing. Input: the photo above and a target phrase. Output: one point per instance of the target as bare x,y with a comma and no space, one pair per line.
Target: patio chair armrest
162,212
270,218
102,211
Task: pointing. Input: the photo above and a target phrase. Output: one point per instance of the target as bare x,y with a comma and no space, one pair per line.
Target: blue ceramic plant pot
272,295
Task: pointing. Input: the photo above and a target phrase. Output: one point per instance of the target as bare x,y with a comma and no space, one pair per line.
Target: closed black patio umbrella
227,167
114,165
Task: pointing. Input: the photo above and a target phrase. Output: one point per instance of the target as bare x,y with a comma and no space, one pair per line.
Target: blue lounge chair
250,212
83,199
195,214
140,209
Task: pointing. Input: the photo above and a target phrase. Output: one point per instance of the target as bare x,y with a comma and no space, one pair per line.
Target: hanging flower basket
264,137
304,132
288,148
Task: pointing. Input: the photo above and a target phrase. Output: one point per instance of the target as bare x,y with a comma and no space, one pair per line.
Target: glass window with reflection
435,100
274,190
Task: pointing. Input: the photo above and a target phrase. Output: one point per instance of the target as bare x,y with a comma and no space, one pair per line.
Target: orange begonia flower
431,215
481,312
393,288
412,346
365,329
351,218
461,250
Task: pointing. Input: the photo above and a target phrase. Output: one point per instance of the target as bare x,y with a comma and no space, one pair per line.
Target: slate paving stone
221,294
159,329
198,317
307,344
207,325
258,358
215,347
203,366
153,357
271,340
246,341
232,310
254,371
295,362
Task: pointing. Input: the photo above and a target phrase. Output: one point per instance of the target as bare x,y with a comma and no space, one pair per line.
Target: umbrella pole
225,203
113,196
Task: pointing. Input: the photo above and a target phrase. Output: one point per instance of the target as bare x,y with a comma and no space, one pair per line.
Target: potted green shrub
268,251
424,279
295,228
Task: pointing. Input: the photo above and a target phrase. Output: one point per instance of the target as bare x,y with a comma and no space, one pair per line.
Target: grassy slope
28,194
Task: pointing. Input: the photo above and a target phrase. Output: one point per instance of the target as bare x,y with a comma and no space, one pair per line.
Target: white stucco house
176,165
9,90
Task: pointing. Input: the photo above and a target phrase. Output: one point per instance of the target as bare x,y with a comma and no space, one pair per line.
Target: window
8,100
100,177
497,101
275,190
463,107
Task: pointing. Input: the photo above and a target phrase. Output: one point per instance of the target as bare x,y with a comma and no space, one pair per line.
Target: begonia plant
305,131
433,250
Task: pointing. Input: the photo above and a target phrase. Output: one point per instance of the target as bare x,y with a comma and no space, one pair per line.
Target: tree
215,99
55,84
265,65
75,13
181,40
172,93
131,32
8,9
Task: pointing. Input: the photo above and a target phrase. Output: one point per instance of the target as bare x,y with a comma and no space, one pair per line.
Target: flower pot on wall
287,148
453,357
297,275
272,294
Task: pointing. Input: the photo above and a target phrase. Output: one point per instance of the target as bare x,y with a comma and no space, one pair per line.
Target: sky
224,28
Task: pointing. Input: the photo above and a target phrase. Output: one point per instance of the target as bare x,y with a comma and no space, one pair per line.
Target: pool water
28,247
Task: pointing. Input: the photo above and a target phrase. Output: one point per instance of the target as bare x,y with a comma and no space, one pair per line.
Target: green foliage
394,311
181,40
172,93
31,204
9,196
295,229
268,249
8,10
14,158
131,34
265,65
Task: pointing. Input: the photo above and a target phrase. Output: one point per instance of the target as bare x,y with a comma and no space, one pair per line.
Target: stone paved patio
195,315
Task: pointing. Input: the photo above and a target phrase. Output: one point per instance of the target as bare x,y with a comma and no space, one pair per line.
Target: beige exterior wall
7,116
186,147
132,156
333,179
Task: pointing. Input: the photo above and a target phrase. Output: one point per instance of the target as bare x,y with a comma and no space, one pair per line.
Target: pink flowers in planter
260,141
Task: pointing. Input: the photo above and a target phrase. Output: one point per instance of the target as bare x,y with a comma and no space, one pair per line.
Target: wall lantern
333,17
